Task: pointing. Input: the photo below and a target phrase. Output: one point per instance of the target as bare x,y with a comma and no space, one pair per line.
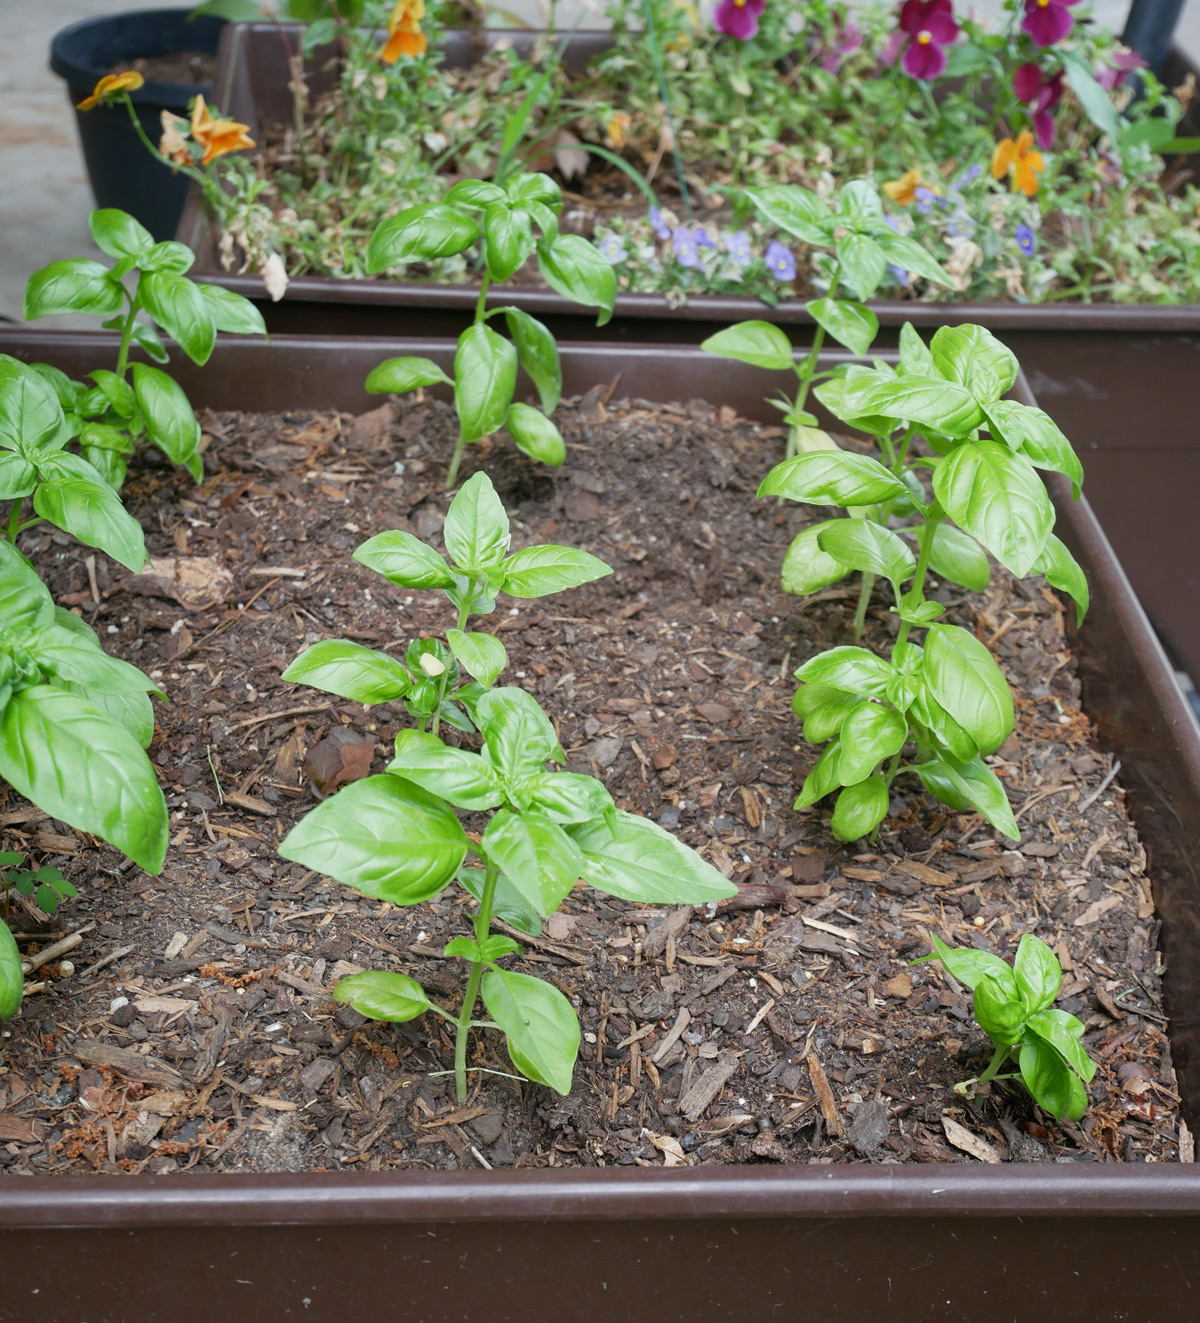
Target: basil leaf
12,979
406,561
536,856
508,903
1063,571
540,1026
77,285
394,376
75,498
851,324
999,1016
508,239
1036,435
795,210
806,567
178,306
534,434
1055,1087
912,257
1038,973
959,558
863,264
538,355
639,861
862,544
572,267
970,783
832,478
476,529
932,402
382,995
479,655
854,670
1063,1032
539,570
972,356
860,808
971,967
485,376
823,777
869,734
337,666
758,343
457,775
231,312
568,797
420,234
31,418
915,358
170,420
118,234
964,678
823,709
519,735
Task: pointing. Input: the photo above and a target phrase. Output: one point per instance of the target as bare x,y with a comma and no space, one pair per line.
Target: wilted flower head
404,31
110,87
173,144
738,18
616,130
1048,21
930,26
780,262
1042,94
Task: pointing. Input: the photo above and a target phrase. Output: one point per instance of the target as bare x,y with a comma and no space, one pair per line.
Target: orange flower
1021,159
218,137
173,144
404,31
903,191
617,129
110,87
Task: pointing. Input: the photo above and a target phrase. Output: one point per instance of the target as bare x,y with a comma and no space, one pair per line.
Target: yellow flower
616,130
404,31
903,191
218,137
173,144
110,87
1021,159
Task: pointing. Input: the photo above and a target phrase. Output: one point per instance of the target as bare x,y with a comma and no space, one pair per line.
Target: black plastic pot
954,1243
122,173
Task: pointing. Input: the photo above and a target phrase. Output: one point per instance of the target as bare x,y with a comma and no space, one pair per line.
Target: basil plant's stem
482,923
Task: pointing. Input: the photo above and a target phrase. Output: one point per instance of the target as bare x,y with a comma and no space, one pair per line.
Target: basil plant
398,836
135,400
856,244
502,220
1014,1006
74,727
945,699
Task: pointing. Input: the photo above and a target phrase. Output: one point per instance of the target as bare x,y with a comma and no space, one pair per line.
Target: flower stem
482,923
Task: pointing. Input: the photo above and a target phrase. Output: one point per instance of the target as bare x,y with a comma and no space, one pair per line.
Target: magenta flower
1048,21
846,40
1112,76
1041,94
738,18
930,26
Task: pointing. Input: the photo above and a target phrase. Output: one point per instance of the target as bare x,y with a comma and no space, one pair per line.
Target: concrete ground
45,203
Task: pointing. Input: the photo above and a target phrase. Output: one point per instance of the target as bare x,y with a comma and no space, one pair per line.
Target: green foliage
1015,1008
398,836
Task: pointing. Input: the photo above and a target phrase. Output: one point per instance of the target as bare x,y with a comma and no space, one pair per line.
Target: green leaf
17,476
795,210
485,376
170,420
25,604
31,418
959,558
932,402
869,734
519,735
67,392
971,967
862,544
1064,572
337,666
525,188
420,234
640,861
65,654
12,980
178,306
151,342
382,836
538,355
854,670
964,678
405,560
382,995
1096,102
457,775
838,395
942,726
169,257
231,312
860,204
832,478
1055,1087
568,797
860,808
761,344
572,266
478,193
134,711
1000,1016
394,376
1036,435
77,285
972,356
851,324
915,358
997,497
74,496
508,239
476,529
1063,1032
534,434
116,391
863,264
822,709
539,570
507,902
961,783
822,778
541,1027
1038,973
118,234
806,568
76,764
536,856
479,655
912,257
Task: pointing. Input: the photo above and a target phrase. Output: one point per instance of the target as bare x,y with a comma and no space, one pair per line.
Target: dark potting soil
197,1030
196,67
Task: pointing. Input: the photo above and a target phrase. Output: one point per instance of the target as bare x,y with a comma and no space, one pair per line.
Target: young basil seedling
397,837
503,220
1015,1008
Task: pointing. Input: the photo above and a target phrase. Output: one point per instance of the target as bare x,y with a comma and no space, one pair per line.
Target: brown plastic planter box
1110,374
954,1243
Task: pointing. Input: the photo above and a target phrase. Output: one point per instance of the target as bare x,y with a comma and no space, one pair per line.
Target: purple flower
1042,94
658,225
1123,64
846,40
1025,240
738,18
925,198
686,249
969,177
780,262
901,276
738,247
702,239
930,26
1048,21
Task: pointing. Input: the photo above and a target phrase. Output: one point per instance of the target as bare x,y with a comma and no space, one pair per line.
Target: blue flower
925,197
686,247
1025,240
612,248
702,239
738,247
780,262
658,225
901,276
969,177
